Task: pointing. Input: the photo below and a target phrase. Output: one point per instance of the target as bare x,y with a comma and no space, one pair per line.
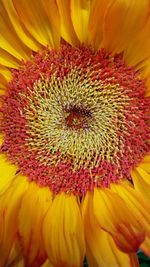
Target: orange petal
138,50
67,29
144,68
41,19
123,21
63,232
3,83
5,76
113,216
100,244
9,208
96,20
34,206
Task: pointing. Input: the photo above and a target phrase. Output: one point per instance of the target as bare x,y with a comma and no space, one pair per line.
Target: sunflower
74,132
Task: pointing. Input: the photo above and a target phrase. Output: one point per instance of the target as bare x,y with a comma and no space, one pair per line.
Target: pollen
75,119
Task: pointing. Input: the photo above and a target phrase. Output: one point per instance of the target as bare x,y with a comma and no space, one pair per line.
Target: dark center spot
77,118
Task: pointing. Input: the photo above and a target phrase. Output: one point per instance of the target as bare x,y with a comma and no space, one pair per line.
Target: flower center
75,119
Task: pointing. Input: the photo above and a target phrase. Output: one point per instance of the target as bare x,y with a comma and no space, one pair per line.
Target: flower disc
75,119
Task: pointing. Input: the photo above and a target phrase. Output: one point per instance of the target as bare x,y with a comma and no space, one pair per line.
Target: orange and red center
75,119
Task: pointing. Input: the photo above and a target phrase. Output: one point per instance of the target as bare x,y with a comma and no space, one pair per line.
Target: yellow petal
137,205
141,180
41,19
7,173
2,90
34,206
122,22
144,175
8,60
80,12
113,215
1,139
145,246
5,72
9,207
145,164
9,41
3,83
63,232
47,264
67,29
5,76
15,254
101,249
18,264
147,158
22,33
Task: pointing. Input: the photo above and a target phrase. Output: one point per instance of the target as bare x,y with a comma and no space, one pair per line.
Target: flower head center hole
77,118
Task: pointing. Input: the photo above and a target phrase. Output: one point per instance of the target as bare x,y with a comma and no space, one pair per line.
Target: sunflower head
75,119
74,123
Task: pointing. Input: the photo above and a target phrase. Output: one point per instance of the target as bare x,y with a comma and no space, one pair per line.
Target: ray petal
64,241
96,20
20,30
41,19
9,207
80,12
113,216
138,51
9,41
67,29
100,244
123,21
141,180
35,204
7,173
137,204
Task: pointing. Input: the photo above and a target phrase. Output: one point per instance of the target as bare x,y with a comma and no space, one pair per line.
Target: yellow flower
75,151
